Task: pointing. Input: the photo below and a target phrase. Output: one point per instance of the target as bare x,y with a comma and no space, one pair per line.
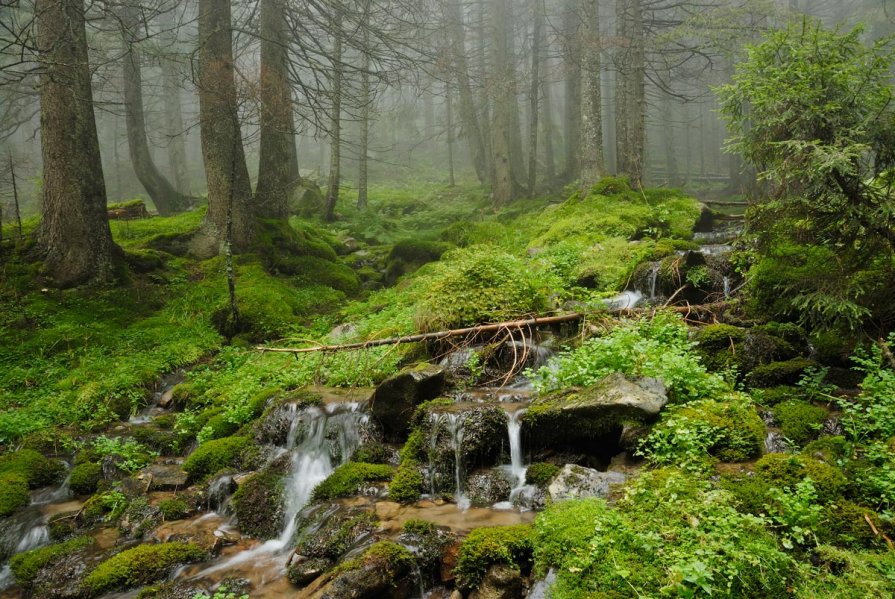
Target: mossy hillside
25,566
143,564
348,479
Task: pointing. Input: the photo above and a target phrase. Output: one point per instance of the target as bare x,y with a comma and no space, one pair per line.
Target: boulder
592,419
577,482
396,398
163,477
487,487
500,582
305,570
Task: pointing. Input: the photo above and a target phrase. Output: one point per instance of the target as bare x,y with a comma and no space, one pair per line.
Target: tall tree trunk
622,75
511,97
503,184
335,130
538,25
176,132
222,151
167,200
484,108
571,22
365,99
637,113
593,164
667,107
275,168
74,235
450,132
549,132
468,117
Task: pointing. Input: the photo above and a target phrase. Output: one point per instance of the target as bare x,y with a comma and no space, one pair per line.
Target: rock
449,557
487,487
166,399
63,578
577,482
219,491
775,442
500,582
592,419
113,467
164,477
481,432
832,427
541,589
395,399
307,199
384,571
127,210
303,570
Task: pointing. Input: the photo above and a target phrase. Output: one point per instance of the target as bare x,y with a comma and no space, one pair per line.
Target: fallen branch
483,328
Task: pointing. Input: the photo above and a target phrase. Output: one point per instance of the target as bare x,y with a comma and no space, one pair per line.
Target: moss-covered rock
37,469
175,508
214,456
259,501
326,532
143,564
408,255
429,543
541,473
26,566
779,373
349,478
799,421
85,478
484,547
13,492
845,525
396,398
734,430
383,571
407,484
786,471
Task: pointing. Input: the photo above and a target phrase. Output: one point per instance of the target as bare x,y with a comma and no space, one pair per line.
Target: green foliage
541,473
36,469
847,574
106,506
174,508
686,435
800,421
653,347
415,526
671,534
348,478
407,484
222,593
25,566
214,456
141,565
797,513
132,454
485,547
85,477
787,471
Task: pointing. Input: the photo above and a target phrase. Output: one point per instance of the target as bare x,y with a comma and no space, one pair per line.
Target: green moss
258,504
13,492
845,524
563,527
610,186
773,395
217,427
391,557
785,471
25,566
348,478
174,508
407,484
541,473
37,469
779,373
800,421
85,477
487,546
371,452
415,526
144,564
409,254
414,448
214,456
829,449
737,430
843,574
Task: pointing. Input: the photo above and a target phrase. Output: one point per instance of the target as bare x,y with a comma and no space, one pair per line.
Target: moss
773,395
415,526
719,336
829,449
845,524
737,429
37,469
751,492
25,566
390,557
183,395
371,452
13,492
409,254
258,504
214,456
414,447
174,508
785,471
541,473
800,421
844,574
779,373
348,479
485,547
407,484
85,477
327,535
218,427
144,564
610,186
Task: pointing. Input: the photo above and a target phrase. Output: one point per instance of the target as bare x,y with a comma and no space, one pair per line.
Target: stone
500,582
578,482
164,477
485,488
166,398
396,398
305,570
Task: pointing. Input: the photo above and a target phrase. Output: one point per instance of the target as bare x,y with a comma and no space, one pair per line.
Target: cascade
454,425
653,277
726,287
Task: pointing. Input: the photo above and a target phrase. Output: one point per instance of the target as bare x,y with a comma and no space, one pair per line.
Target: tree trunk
177,156
484,109
503,184
470,122
622,74
335,131
571,23
549,132
450,132
593,165
275,176
510,95
533,95
362,174
167,200
74,235
222,151
637,112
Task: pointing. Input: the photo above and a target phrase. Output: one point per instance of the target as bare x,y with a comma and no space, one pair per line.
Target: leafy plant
134,455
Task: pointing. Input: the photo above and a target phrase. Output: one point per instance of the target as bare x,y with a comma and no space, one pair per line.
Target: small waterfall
653,277
514,430
726,287
453,423
624,300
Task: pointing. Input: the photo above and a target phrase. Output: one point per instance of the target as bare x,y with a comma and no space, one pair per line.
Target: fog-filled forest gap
548,298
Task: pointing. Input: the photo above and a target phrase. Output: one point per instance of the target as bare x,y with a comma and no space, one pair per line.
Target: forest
447,299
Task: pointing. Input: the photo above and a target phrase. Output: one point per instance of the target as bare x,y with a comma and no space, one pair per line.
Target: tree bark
166,199
363,159
503,185
74,236
222,151
275,176
449,109
571,22
593,164
468,117
335,132
177,156
546,119
622,74
533,94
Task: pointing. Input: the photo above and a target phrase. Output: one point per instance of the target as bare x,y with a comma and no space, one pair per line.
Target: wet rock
163,477
139,518
383,571
775,442
450,555
430,545
832,427
259,500
219,491
541,589
305,570
113,467
500,582
332,530
63,578
166,399
487,487
577,482
396,398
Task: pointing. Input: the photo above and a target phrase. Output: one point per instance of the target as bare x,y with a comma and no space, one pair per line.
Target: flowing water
453,423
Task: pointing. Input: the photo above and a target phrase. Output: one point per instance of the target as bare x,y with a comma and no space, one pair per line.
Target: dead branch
484,328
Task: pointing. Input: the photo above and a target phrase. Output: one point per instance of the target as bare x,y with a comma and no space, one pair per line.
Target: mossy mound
408,255
13,493
799,421
348,479
845,525
484,547
541,473
143,564
722,347
25,566
779,373
407,484
174,508
258,502
85,477
37,469
213,456
786,471
383,570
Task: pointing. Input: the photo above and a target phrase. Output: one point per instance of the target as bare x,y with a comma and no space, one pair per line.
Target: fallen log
486,328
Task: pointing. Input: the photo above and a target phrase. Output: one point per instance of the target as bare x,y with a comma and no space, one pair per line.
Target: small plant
134,455
797,513
222,593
